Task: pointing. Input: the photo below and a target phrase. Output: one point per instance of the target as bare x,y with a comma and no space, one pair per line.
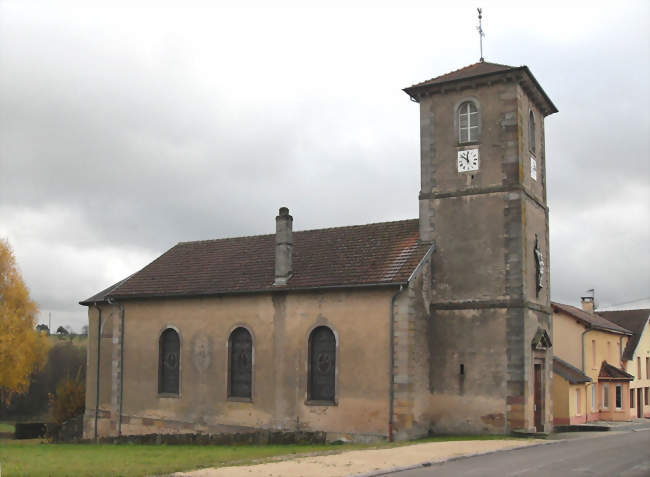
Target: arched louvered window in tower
322,365
531,131
169,362
240,363
468,122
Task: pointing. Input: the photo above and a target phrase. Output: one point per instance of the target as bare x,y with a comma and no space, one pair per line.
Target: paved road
625,454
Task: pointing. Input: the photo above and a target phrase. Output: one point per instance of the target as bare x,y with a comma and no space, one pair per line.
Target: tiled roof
362,255
569,372
477,69
607,371
633,320
591,320
486,71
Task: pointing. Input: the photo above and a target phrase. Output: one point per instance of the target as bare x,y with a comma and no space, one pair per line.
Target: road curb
376,473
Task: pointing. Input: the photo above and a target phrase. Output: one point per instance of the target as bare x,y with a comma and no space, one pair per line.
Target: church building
393,330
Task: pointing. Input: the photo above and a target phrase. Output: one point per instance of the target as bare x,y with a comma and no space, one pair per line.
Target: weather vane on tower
480,30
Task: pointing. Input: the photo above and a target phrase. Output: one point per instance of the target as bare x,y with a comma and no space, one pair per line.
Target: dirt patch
359,462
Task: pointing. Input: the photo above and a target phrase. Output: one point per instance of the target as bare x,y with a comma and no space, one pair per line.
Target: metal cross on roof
480,29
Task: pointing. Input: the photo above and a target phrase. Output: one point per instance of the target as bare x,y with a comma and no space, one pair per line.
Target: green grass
76,340
6,426
33,458
38,458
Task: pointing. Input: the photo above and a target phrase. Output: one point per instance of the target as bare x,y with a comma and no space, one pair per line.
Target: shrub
70,398
64,359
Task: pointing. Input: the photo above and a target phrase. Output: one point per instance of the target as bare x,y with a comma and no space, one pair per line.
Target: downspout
119,416
620,351
392,363
583,347
99,344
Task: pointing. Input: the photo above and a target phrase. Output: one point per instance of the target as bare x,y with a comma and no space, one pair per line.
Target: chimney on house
588,302
283,247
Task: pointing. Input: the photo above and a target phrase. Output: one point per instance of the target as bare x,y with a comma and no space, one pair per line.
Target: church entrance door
539,404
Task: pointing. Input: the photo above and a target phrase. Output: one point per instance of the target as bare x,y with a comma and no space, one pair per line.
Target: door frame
539,388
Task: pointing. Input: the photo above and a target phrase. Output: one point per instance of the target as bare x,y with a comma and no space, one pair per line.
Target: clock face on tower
468,160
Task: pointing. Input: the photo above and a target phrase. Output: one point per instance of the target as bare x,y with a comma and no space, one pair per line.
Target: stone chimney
283,247
587,303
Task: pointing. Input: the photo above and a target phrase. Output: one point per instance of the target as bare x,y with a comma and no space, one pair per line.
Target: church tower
483,206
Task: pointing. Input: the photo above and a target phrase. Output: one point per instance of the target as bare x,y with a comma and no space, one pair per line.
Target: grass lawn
38,458
6,427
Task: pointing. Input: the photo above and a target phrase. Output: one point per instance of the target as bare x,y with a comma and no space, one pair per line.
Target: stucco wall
280,325
567,340
641,379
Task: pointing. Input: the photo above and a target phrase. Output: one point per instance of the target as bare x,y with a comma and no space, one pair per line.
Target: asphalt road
625,454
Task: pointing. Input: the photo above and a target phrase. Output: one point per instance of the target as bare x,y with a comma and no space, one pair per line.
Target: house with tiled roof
636,355
390,330
590,382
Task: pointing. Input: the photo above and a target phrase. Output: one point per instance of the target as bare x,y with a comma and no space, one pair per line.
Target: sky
126,129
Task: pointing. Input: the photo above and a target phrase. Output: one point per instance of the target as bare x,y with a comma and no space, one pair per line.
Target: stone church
391,330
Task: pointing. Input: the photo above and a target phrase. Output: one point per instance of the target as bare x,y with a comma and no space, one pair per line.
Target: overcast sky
126,130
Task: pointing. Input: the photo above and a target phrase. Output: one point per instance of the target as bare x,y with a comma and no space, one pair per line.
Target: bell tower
482,203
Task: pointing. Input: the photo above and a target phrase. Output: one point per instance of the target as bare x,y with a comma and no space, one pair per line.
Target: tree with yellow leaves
23,350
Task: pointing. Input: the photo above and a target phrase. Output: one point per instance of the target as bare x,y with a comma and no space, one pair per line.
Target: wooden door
539,408
639,402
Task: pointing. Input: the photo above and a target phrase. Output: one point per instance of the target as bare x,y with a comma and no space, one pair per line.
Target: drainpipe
99,344
620,351
392,362
583,347
119,416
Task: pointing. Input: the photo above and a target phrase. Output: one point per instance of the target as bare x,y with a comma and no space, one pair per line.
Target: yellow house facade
589,382
636,356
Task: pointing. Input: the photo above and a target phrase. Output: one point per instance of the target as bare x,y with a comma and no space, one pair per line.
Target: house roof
569,372
609,372
488,71
633,320
590,320
362,255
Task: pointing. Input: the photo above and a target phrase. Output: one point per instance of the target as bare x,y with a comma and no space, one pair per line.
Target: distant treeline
64,360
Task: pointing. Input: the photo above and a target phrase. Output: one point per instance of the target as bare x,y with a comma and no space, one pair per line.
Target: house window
647,368
169,362
619,397
638,367
645,393
577,402
605,397
240,363
631,397
468,122
322,365
531,131
593,397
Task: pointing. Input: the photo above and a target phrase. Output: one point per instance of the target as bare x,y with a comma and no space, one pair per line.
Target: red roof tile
591,320
363,255
607,371
569,372
476,69
485,70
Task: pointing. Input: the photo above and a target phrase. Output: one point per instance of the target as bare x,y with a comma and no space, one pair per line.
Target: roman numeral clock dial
468,160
